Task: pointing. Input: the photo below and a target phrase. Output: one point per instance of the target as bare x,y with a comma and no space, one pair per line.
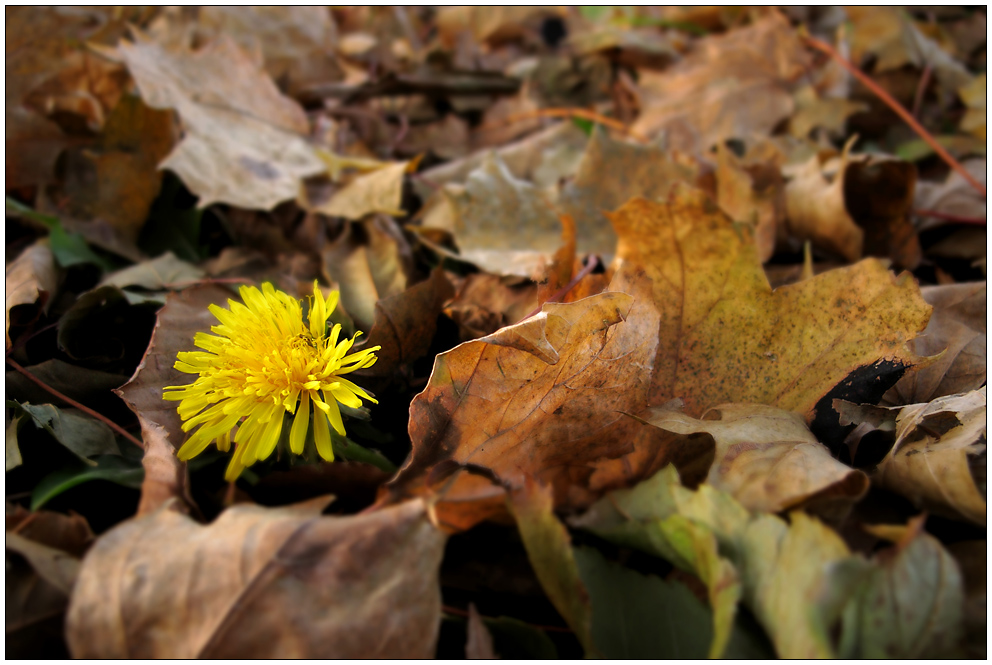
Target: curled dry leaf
28,278
730,85
183,315
768,460
405,324
957,332
541,400
244,141
931,461
261,582
751,194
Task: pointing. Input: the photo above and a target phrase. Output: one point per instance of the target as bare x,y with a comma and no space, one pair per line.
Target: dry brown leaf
768,460
480,643
730,85
297,42
379,191
484,303
814,210
726,336
828,113
930,462
957,332
954,197
370,260
611,173
118,180
503,224
244,141
538,400
166,477
261,582
28,278
974,97
405,324
751,194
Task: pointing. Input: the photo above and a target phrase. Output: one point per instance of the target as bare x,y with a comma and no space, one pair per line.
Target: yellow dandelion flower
263,362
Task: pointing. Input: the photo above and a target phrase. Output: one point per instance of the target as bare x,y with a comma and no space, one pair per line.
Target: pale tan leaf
28,278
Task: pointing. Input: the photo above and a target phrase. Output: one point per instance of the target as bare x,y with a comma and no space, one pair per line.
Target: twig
464,613
959,219
898,108
585,114
85,409
591,263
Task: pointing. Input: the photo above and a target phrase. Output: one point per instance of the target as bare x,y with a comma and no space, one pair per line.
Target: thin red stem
899,109
85,409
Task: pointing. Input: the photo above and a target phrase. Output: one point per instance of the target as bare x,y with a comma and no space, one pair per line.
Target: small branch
958,219
591,263
85,409
464,613
898,108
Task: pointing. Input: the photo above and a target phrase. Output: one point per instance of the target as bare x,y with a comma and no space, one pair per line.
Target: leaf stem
898,108
85,409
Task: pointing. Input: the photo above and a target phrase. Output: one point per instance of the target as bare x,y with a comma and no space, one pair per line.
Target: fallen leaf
954,197
184,314
784,568
165,476
753,195
480,642
501,223
378,191
973,96
827,113
117,180
930,463
815,209
80,434
261,581
730,85
12,454
643,616
69,533
610,173
405,323
244,141
551,556
166,271
27,279
539,400
484,303
297,42
726,336
369,260
911,606
73,381
768,460
957,333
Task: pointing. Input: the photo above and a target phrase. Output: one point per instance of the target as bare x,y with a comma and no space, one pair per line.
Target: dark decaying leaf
261,582
82,435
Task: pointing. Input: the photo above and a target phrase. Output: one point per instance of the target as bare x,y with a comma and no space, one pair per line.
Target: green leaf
116,469
82,435
513,638
69,249
170,228
345,448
